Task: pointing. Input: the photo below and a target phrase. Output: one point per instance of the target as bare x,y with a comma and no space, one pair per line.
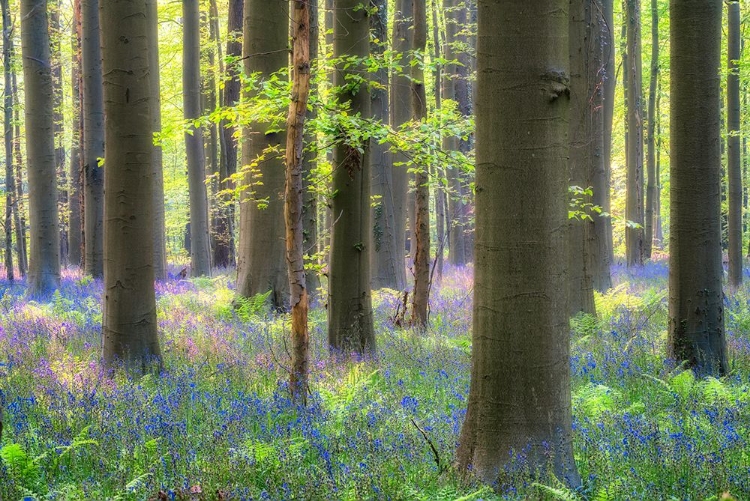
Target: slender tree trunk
294,199
224,252
585,136
10,182
696,309
75,241
160,230
658,231
23,253
734,168
440,222
519,399
421,296
211,97
400,96
44,262
309,165
634,199
651,146
260,262
93,139
200,247
57,93
129,329
350,322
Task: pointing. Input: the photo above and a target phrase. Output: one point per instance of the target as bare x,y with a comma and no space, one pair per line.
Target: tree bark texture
75,230
57,99
23,251
651,130
421,296
160,230
696,314
260,262
200,247
44,258
734,168
294,200
350,322
519,399
10,178
129,329
634,198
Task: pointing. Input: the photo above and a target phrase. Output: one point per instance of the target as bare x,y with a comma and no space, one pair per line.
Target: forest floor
218,422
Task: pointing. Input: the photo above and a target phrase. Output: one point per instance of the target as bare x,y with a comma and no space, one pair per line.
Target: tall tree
23,253
586,137
294,199
75,220
260,259
734,167
309,165
10,178
57,99
160,244
421,251
650,132
519,399
634,198
350,323
200,248
696,319
44,262
129,329
93,140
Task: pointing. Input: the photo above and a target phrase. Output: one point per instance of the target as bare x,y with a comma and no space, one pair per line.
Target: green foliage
249,308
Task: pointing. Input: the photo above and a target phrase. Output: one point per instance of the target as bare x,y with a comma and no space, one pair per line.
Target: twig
432,446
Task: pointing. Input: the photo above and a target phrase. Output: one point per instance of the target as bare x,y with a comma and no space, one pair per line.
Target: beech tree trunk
650,141
23,252
129,328
519,399
696,309
57,117
294,199
260,262
75,229
200,247
734,168
634,245
350,322
309,164
10,181
421,296
160,230
44,262
93,139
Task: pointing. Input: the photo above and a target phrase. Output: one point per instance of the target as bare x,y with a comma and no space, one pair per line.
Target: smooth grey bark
200,246
350,322
23,251
57,99
519,398
734,168
129,328
160,229
44,256
260,260
634,246
75,229
93,140
696,310
10,178
651,130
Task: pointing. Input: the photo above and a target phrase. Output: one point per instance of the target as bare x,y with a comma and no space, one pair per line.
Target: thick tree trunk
400,99
386,259
160,230
200,246
294,200
696,310
350,322
585,137
634,199
129,329
93,139
75,230
44,262
651,143
734,168
260,262
519,398
421,296
10,179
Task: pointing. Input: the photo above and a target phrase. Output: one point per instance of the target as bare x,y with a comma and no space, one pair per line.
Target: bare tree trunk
658,231
293,213
200,247
734,167
519,399
129,329
260,262
696,308
211,97
44,262
75,240
160,230
10,182
57,93
440,202
634,246
23,261
350,322
650,141
309,163
93,139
